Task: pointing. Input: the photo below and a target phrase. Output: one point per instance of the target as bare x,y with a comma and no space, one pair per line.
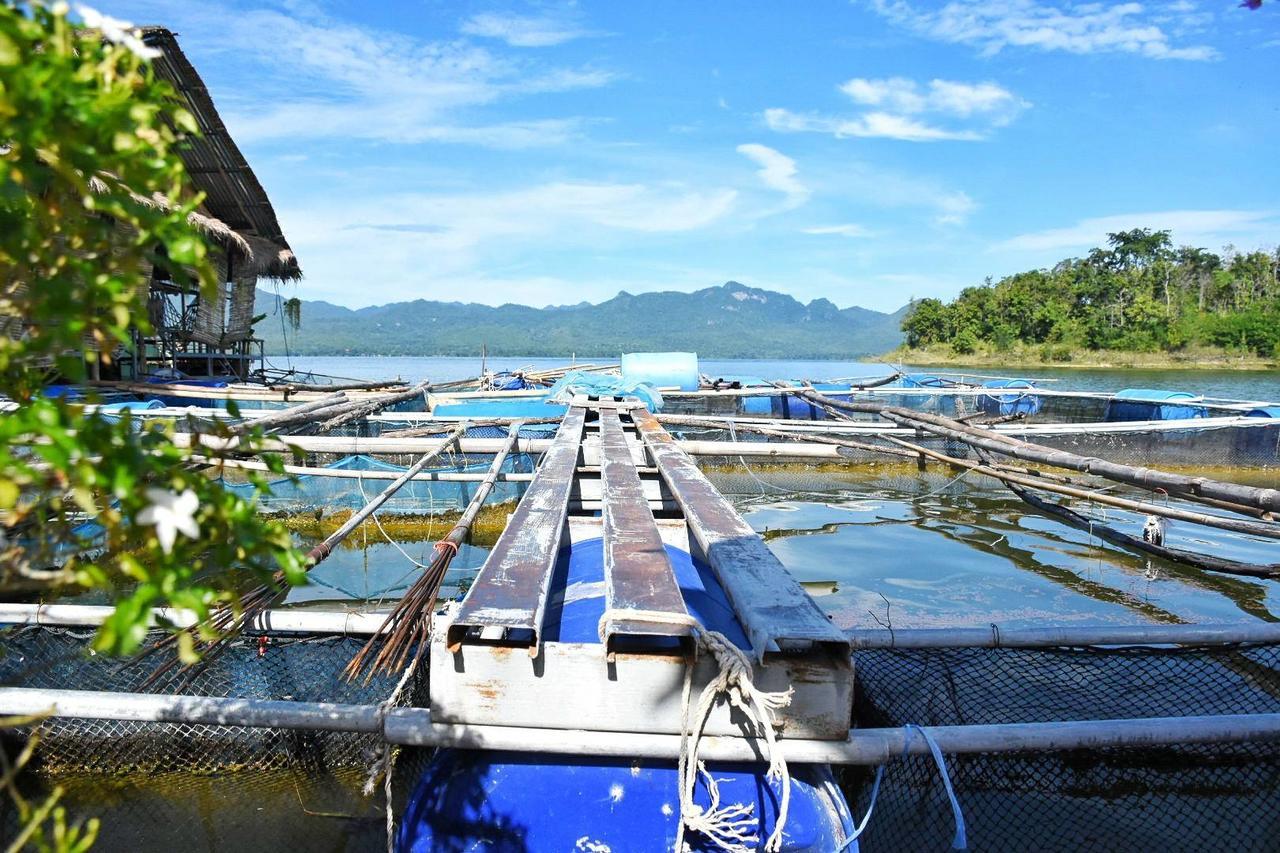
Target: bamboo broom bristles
408,625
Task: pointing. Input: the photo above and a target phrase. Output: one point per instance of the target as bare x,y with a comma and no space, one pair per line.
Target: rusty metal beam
773,609
637,571
510,593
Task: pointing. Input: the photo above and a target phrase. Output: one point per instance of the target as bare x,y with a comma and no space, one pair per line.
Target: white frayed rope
732,827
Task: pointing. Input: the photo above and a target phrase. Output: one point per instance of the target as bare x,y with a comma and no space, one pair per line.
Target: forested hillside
1138,294
730,321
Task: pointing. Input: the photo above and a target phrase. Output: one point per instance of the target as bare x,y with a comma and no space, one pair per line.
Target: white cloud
522,31
847,230
330,79
948,97
993,25
870,125
1206,228
777,171
430,245
901,105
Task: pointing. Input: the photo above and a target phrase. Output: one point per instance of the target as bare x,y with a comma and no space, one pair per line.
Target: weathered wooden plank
511,590
773,609
493,684
637,571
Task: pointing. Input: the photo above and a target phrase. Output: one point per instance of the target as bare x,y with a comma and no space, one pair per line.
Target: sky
866,152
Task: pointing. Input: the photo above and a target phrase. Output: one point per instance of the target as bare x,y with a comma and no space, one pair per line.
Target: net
309,492
155,784
1160,797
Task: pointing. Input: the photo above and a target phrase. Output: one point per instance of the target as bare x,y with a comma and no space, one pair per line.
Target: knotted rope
731,827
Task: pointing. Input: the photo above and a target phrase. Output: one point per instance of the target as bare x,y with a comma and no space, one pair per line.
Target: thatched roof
234,199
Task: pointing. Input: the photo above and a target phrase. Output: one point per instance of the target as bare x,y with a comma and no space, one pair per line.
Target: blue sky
865,152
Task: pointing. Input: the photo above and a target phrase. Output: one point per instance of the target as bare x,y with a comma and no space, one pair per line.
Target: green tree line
1139,293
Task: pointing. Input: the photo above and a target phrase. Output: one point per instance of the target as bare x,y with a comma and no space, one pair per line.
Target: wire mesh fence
303,789
1187,797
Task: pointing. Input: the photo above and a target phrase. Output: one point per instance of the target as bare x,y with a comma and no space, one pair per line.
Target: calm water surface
877,545
918,550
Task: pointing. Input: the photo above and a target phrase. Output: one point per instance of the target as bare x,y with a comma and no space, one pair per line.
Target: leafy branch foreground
93,195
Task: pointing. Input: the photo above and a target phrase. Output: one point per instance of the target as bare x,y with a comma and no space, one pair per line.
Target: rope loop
447,545
733,827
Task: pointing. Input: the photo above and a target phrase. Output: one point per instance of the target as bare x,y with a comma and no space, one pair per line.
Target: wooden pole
1147,478
408,625
325,548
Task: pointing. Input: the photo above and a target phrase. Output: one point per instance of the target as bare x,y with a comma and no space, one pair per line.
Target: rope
384,764
866,818
734,827
958,842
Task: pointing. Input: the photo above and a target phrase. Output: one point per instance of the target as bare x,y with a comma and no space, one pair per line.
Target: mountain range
730,321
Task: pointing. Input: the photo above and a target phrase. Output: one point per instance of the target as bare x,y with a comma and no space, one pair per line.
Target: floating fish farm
632,668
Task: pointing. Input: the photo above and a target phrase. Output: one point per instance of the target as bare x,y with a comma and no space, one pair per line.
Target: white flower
117,31
171,514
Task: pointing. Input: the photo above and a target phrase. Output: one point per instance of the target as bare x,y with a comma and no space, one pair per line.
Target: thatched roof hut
234,198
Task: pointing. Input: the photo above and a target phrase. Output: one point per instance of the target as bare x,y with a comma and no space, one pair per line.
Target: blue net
309,492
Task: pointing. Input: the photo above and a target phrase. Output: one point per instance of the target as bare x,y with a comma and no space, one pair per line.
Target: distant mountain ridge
730,321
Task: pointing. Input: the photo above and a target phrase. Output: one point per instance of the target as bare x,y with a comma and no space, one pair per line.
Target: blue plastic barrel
508,801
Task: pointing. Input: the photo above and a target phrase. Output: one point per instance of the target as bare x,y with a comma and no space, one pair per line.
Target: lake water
1239,384
925,549
876,545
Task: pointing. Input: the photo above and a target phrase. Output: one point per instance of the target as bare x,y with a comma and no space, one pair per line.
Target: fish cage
1110,738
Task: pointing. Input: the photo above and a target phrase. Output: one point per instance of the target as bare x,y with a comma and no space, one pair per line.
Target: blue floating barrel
662,369
499,801
1013,398
1264,412
1153,404
509,801
791,407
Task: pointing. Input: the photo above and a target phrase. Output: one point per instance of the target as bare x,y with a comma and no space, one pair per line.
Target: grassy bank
1048,355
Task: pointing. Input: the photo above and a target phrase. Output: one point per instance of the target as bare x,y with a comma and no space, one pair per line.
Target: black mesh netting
1202,797
165,786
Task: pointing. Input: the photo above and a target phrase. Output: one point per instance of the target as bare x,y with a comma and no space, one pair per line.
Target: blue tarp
604,385
1154,404
1014,400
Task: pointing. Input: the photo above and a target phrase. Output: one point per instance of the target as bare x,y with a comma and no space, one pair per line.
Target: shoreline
1084,360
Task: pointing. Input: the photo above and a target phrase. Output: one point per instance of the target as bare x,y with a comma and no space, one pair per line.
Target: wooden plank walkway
774,610
637,571
510,594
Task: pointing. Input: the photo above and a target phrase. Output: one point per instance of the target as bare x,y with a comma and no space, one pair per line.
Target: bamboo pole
317,554
304,412
1147,478
364,408
373,385
1133,543
408,626
349,474
1025,477
228,622
1271,531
